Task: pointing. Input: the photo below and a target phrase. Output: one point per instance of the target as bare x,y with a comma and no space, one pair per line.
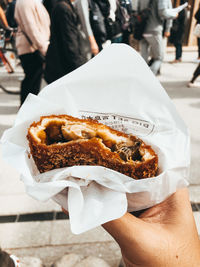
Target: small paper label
121,123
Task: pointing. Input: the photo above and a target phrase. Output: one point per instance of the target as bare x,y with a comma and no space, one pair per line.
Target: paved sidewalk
50,238
174,79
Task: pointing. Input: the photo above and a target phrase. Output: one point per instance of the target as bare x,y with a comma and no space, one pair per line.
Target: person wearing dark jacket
49,5
197,17
177,33
10,14
65,52
32,40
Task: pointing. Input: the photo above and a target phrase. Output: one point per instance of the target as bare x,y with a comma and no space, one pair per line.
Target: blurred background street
32,228
39,232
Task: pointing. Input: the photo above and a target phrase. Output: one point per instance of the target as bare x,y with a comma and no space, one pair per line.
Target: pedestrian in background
98,13
65,52
116,33
177,33
10,13
167,25
196,72
152,42
3,25
32,41
127,7
49,5
195,75
90,45
197,17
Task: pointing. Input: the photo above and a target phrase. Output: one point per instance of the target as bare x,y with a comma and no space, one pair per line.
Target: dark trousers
125,37
196,73
178,50
198,41
32,65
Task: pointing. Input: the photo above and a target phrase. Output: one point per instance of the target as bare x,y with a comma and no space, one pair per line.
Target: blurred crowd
54,37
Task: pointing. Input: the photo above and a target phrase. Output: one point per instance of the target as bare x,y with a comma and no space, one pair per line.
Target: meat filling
129,152
60,132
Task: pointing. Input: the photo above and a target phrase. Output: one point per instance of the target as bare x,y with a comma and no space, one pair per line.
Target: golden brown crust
87,151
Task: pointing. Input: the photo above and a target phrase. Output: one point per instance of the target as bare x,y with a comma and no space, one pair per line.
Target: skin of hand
93,45
166,34
163,236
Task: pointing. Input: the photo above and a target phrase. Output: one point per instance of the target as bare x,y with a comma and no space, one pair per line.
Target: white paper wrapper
117,88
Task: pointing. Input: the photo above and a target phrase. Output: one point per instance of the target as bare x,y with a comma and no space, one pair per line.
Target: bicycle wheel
8,91
6,62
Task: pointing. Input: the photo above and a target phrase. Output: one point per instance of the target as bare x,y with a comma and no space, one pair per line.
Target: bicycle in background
7,44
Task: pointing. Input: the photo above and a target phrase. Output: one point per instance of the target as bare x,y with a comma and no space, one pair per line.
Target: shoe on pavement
176,61
193,85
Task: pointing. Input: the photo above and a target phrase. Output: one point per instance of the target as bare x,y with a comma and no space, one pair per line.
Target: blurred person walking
127,9
177,33
49,5
98,13
6,31
152,42
10,15
197,17
65,52
195,75
196,72
114,26
32,40
10,11
90,45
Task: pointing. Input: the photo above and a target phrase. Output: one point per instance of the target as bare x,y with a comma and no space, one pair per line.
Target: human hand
93,45
164,235
167,34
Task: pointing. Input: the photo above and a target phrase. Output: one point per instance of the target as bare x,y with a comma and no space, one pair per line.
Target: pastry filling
128,153
61,131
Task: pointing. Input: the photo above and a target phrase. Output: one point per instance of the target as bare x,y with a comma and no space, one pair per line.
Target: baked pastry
58,141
